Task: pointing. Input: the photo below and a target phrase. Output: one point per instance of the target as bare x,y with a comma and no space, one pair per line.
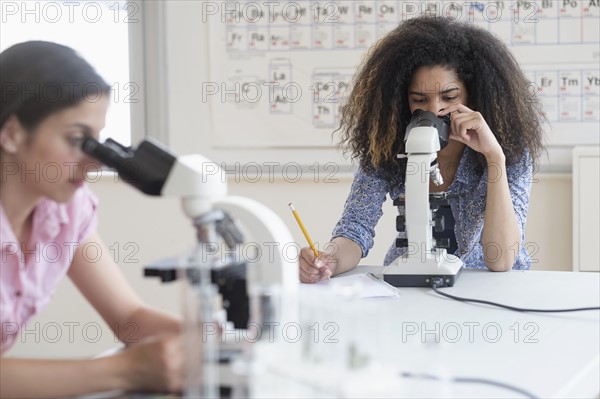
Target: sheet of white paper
364,285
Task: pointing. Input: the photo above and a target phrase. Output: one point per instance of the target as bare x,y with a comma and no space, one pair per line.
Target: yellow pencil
310,243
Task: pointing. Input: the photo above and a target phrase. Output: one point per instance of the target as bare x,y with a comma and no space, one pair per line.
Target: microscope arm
276,266
422,146
202,186
422,260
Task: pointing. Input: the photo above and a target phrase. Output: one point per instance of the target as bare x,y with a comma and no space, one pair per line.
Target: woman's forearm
501,235
146,322
28,378
347,253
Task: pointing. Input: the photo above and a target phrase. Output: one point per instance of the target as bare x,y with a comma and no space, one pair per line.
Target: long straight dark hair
38,78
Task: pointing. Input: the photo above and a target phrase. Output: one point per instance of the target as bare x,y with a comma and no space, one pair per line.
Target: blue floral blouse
363,208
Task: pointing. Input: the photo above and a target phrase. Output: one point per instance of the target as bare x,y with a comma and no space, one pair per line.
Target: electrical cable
438,282
473,380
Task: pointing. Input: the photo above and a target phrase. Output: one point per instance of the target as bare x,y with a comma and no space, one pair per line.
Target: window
98,30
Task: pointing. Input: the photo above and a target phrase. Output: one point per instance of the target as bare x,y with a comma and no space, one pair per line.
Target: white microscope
424,258
262,292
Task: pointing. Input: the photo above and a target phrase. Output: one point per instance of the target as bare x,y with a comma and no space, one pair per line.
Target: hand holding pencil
314,267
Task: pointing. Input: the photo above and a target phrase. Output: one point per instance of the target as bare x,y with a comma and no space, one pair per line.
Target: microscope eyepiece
110,153
422,118
147,167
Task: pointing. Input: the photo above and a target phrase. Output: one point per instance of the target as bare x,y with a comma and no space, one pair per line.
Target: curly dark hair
376,113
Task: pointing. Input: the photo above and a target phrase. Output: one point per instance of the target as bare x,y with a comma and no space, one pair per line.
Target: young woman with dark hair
51,99
449,68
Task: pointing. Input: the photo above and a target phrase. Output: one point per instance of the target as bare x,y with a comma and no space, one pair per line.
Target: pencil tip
291,206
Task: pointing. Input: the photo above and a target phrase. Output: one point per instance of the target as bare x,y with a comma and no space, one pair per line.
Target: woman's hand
154,365
314,269
338,256
469,127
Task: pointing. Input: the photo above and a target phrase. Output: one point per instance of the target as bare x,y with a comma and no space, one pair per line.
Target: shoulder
370,173
82,206
84,197
73,220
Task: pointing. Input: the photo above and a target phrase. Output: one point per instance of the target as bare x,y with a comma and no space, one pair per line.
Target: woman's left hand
469,127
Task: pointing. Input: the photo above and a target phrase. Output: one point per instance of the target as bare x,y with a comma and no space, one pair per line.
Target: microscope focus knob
439,225
400,223
399,201
442,242
402,242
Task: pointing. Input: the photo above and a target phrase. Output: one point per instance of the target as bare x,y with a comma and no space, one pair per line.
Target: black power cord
472,380
437,282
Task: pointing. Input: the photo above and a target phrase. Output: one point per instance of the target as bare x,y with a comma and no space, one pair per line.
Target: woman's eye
451,98
75,141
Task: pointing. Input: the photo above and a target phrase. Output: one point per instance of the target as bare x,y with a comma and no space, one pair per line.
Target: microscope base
407,272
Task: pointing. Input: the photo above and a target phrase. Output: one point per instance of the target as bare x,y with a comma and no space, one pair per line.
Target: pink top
26,288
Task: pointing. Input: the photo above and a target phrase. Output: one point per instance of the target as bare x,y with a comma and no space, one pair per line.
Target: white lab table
419,332
547,354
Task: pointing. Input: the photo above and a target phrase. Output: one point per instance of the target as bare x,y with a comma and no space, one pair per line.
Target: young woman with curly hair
449,68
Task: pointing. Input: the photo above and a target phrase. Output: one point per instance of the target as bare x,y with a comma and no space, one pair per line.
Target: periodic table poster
287,66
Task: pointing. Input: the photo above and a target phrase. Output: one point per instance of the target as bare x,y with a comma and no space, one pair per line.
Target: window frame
148,67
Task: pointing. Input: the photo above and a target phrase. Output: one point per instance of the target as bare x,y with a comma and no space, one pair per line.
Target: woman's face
50,161
435,88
